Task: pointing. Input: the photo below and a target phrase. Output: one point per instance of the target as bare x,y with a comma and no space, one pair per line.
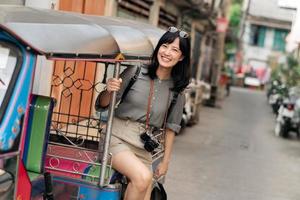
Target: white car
252,81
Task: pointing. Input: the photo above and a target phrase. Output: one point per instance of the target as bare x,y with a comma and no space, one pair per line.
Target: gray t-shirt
134,106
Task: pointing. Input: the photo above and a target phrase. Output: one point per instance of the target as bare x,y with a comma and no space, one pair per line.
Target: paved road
232,154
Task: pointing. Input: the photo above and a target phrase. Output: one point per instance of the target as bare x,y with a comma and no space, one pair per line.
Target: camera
149,144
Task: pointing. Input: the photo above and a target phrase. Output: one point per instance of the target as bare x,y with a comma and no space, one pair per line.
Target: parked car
250,81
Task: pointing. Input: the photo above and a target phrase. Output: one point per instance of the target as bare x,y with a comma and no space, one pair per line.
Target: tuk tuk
53,143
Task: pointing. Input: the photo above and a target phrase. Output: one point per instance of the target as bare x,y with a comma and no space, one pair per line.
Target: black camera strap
130,84
149,104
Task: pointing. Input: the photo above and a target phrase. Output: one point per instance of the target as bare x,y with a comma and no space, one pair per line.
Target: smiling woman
169,54
153,104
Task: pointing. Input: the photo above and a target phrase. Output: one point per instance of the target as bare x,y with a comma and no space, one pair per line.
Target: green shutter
279,39
261,36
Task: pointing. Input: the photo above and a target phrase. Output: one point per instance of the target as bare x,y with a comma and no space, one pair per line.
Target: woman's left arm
162,168
173,125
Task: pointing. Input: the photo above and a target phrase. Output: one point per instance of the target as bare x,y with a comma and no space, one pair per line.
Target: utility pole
218,64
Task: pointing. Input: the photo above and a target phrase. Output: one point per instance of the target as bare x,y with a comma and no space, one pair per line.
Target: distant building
265,28
293,39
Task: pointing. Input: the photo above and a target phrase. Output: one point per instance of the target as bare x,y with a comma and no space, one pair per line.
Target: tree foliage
235,15
237,2
288,72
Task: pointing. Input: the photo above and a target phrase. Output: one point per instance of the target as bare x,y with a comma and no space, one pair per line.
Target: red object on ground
23,184
223,79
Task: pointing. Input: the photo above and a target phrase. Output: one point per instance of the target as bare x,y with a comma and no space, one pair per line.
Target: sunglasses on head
182,34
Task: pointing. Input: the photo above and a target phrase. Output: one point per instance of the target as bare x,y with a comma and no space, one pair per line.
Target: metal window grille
77,130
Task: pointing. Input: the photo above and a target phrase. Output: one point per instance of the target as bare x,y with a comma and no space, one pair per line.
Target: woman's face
169,54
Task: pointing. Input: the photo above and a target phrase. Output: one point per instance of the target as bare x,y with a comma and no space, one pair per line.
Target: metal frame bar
109,128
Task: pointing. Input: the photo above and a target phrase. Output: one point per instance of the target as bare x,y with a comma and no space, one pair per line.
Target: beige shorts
126,137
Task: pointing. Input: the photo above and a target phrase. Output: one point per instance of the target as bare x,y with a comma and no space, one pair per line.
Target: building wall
171,8
44,69
258,56
91,7
132,10
268,14
270,9
42,4
12,2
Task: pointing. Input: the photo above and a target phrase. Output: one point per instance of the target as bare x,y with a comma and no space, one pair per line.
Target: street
233,154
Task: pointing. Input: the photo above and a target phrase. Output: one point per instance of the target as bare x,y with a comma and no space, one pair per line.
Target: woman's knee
142,180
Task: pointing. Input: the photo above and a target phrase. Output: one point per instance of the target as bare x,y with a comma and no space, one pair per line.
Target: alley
233,154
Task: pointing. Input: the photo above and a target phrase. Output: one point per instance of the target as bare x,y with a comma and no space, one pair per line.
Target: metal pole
218,64
109,128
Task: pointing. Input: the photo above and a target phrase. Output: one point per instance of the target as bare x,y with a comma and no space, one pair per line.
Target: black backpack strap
130,84
105,73
173,102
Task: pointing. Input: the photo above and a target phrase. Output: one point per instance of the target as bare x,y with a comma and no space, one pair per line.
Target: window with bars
134,8
166,19
279,39
257,35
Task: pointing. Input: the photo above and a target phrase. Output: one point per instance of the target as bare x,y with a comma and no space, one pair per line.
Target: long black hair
181,71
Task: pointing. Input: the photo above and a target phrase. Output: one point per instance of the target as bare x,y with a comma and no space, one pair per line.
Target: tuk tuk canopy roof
52,32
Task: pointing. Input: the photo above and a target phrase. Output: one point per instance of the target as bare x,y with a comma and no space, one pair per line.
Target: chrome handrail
109,128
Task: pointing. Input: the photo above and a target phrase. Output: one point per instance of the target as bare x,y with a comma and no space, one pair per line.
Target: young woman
146,105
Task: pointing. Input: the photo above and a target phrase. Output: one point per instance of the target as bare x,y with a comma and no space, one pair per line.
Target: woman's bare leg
140,177
148,193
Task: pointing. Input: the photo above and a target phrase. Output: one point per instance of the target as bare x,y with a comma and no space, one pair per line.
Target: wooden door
73,82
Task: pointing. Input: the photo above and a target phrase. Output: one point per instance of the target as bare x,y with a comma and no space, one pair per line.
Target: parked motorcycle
276,97
285,119
272,87
288,118
275,100
187,111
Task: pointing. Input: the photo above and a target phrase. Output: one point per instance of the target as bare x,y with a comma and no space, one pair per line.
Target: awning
55,32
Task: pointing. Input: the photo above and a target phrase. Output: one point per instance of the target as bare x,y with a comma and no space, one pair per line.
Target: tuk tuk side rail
9,155
82,131
109,126
74,127
97,58
75,162
76,131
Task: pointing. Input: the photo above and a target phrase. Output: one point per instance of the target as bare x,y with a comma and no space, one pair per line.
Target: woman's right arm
103,99
112,85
